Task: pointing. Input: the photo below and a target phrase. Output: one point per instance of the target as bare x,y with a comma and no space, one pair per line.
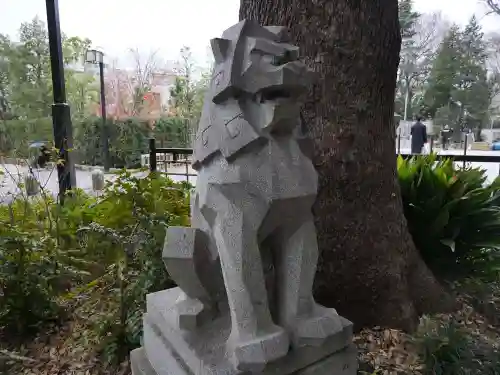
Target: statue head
257,67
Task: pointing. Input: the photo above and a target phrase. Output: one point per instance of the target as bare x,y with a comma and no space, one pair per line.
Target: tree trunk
370,270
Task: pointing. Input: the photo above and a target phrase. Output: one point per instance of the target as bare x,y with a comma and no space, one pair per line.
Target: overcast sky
167,25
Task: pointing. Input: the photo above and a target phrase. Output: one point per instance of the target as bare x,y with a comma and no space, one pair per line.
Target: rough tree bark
370,269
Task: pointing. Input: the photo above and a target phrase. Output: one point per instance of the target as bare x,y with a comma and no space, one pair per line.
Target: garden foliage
453,216
446,347
128,138
102,255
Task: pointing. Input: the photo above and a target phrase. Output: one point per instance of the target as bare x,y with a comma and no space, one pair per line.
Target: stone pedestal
169,350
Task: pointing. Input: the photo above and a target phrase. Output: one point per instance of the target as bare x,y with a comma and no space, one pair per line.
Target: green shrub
445,347
16,135
442,347
453,217
136,213
483,296
173,132
128,138
106,249
34,266
27,273
127,141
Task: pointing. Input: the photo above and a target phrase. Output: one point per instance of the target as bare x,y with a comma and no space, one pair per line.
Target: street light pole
61,116
104,117
407,99
97,57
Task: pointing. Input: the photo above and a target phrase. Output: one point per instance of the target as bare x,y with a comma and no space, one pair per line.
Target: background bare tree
117,94
493,5
416,58
493,66
141,81
129,91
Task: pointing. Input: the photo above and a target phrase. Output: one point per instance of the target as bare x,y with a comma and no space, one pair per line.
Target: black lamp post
97,57
61,117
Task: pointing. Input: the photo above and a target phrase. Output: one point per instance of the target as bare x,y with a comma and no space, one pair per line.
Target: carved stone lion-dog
252,205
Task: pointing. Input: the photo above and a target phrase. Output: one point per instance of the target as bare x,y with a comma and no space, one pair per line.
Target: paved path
13,175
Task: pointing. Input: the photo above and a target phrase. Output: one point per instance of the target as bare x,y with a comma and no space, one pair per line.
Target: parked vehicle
495,145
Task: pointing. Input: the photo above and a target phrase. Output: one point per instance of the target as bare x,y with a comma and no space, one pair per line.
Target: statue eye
282,59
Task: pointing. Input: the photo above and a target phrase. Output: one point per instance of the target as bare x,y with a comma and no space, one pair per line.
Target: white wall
489,135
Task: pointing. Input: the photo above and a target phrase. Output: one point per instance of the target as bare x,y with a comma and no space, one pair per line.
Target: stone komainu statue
251,210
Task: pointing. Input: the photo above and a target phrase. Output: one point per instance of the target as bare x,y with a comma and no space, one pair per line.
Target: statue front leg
308,322
255,340
187,260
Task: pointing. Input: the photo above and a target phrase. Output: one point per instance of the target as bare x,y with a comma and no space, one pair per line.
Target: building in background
132,94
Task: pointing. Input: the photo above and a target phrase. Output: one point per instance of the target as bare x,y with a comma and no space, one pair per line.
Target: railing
160,159
431,139
457,158
165,157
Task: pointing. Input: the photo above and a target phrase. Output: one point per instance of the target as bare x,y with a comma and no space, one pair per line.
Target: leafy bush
128,139
441,346
26,271
103,251
447,348
33,265
453,217
133,216
483,296
173,132
16,135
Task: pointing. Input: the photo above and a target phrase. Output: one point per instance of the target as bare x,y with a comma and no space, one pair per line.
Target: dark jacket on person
418,137
446,134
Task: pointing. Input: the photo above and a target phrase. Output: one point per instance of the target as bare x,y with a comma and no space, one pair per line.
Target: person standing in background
445,137
418,136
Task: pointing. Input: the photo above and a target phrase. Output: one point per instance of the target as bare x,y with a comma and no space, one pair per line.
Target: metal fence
464,157
161,159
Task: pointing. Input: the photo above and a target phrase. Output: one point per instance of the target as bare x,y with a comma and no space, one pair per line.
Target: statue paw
316,328
255,354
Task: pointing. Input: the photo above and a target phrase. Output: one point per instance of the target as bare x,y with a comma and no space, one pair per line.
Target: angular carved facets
185,254
253,227
250,179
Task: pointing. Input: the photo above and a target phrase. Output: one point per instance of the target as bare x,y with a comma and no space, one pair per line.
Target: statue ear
220,48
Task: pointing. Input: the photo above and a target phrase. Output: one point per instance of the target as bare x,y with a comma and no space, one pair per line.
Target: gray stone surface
203,351
31,185
98,180
187,258
252,226
339,363
140,364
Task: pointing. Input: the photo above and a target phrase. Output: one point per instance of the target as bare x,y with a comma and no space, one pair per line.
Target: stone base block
168,350
344,362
